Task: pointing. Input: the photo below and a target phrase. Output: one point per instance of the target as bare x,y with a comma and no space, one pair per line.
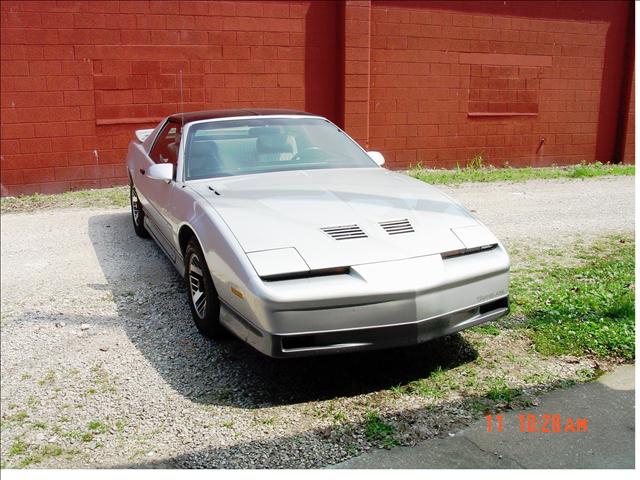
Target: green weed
376,429
583,309
476,171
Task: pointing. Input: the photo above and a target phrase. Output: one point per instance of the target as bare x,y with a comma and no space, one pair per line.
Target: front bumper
366,338
389,304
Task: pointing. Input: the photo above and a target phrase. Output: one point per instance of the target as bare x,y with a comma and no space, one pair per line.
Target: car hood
282,210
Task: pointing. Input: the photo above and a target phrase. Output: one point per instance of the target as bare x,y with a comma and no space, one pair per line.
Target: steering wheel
303,153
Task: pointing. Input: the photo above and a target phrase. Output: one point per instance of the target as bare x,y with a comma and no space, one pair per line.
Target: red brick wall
449,83
79,77
430,82
357,49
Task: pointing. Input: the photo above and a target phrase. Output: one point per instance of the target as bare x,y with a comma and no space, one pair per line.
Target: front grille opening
345,232
328,340
396,227
495,305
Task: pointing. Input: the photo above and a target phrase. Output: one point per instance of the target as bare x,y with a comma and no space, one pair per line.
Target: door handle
143,171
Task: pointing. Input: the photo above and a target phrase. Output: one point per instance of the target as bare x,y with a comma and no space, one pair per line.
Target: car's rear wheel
203,297
137,213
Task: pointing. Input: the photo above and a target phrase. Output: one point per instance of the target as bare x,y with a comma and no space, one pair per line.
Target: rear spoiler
142,135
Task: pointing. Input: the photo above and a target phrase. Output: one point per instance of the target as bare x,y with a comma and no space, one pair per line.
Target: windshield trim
187,129
229,177
248,117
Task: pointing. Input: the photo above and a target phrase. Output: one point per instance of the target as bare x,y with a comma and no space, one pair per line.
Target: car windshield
258,145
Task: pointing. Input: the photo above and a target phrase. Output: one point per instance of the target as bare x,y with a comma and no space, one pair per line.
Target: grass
52,450
18,447
48,379
101,198
377,430
18,417
120,426
475,171
30,460
435,386
588,308
339,416
94,428
102,381
31,455
8,421
97,426
488,329
499,391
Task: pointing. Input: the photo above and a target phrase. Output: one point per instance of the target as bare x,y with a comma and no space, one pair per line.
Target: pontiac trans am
298,241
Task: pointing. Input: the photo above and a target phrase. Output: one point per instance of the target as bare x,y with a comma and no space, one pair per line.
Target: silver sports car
295,239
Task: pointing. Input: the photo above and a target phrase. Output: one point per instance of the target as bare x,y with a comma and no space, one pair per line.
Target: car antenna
181,102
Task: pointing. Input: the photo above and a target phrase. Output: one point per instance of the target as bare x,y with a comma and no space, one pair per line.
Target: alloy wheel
197,287
135,206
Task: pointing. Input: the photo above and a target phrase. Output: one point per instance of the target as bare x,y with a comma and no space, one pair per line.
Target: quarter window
165,149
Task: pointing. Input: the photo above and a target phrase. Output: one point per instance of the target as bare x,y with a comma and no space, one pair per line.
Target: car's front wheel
137,214
203,297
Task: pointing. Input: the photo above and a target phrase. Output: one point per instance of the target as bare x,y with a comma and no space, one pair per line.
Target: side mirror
161,171
377,157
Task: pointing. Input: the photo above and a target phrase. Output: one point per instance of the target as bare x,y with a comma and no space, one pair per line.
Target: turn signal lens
237,292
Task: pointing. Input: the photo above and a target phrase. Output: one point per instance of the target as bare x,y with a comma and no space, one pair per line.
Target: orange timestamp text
545,423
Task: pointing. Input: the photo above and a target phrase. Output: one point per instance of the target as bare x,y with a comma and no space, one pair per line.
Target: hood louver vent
396,227
345,232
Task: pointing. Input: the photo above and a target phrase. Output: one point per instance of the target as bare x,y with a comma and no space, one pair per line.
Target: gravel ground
101,365
551,212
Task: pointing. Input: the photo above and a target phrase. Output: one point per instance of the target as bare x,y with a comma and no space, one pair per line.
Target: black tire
198,281
137,213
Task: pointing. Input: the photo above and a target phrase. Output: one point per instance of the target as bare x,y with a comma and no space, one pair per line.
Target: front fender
228,264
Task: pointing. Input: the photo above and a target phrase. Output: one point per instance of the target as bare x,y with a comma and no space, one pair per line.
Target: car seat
174,148
204,160
274,147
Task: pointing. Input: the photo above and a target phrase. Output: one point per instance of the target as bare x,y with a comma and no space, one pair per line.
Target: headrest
274,143
259,131
203,149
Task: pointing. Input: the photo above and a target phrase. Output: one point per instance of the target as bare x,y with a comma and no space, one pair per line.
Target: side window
165,149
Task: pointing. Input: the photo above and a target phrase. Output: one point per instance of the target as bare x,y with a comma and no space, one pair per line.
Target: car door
156,194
